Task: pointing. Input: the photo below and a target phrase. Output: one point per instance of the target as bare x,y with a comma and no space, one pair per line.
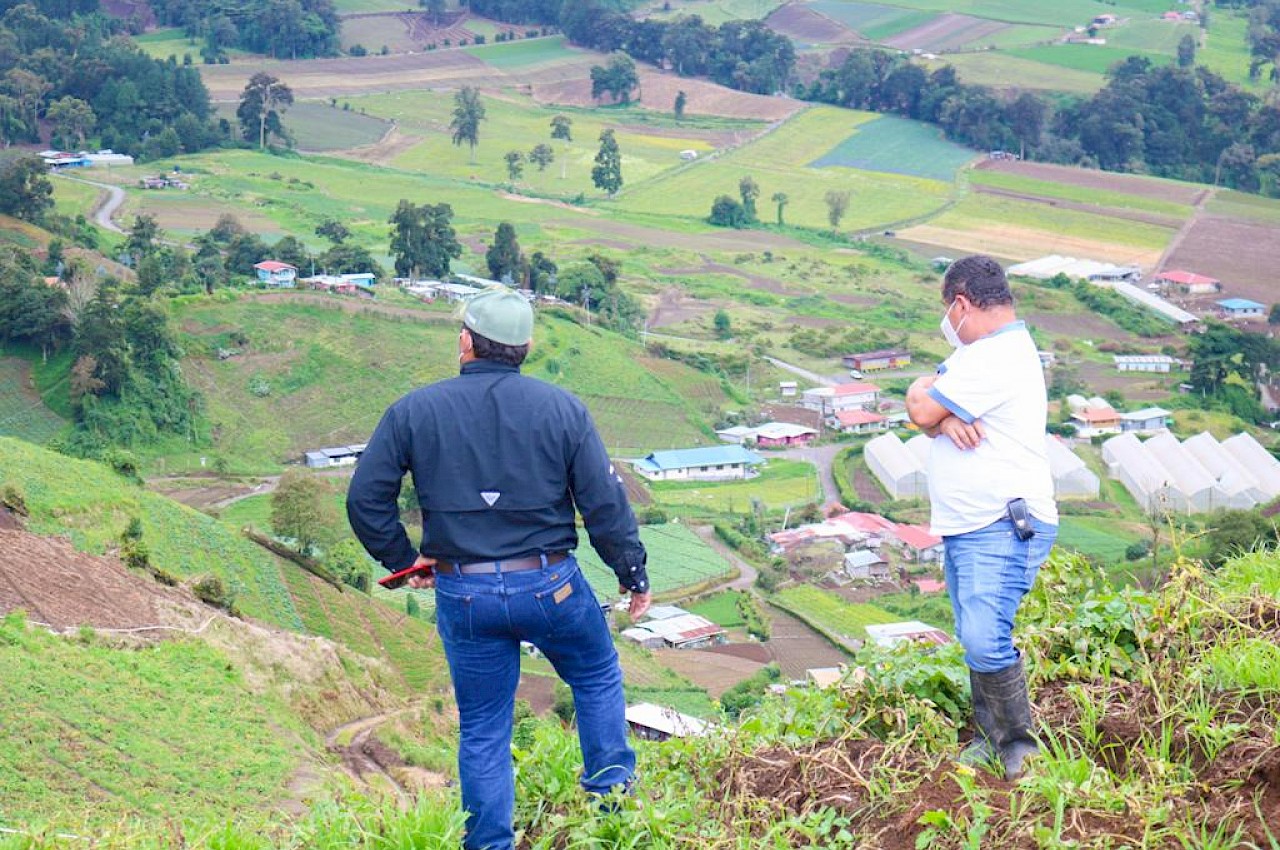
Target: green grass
830,612
1002,71
898,146
1240,205
716,12
522,53
1226,48
22,413
1151,36
1065,13
1090,58
678,558
721,608
169,41
931,608
1098,537
775,163
320,127
348,7
154,730
1101,198
872,20
781,483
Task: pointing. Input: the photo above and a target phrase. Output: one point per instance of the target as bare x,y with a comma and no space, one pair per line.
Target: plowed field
1129,184
658,91
802,24
1239,253
946,32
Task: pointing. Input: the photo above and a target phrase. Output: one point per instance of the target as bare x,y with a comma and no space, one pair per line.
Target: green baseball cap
501,314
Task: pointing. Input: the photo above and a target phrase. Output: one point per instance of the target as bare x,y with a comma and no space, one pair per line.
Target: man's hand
640,602
421,581
963,435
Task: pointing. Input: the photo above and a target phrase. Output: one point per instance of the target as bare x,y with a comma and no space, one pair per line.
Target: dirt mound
55,584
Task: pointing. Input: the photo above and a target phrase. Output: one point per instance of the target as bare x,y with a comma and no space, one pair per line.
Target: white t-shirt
998,380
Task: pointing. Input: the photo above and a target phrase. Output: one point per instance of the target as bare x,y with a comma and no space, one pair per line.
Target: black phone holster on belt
1023,529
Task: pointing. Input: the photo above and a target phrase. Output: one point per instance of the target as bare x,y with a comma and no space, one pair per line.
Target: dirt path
803,373
373,764
746,573
104,209
1198,210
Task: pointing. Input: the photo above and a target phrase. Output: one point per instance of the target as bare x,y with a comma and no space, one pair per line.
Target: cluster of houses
862,541
274,274
333,456
163,181
903,467
670,627
1195,475
1095,417
61,160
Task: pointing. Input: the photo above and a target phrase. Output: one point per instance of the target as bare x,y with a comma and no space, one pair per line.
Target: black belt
510,565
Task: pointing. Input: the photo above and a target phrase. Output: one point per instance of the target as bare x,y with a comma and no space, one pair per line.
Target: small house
824,677
1096,419
1240,308
658,723
787,389
1189,283
685,631
714,463
918,543
1149,420
276,274
688,155
783,434
831,400
336,456
891,634
1161,363
871,361
738,434
866,565
858,421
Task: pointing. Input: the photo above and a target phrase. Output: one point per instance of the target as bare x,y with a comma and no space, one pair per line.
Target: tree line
75,75
283,29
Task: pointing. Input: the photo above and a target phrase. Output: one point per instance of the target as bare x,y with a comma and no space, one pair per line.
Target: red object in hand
396,580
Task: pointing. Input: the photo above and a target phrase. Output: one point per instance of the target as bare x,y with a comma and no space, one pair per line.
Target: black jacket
499,461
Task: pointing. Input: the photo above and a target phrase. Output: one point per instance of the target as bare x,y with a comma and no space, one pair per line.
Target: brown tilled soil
798,648
658,91
802,24
56,585
540,691
675,306
758,652
714,671
1239,253
946,32
1129,184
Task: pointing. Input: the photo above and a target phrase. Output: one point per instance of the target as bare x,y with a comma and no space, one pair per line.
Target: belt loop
542,556
497,567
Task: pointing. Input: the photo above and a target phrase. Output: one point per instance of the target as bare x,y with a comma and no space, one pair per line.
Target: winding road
104,209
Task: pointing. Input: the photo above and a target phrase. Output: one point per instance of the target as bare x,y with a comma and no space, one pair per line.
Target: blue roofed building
1240,308
714,463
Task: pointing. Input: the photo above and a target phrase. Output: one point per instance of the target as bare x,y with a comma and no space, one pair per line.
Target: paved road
746,579
103,214
804,373
822,457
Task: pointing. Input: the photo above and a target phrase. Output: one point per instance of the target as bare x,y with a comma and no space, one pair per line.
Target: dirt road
105,209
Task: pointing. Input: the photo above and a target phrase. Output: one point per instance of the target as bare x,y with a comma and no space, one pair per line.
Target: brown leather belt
510,565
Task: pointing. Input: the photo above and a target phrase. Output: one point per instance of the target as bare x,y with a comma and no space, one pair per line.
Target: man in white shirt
990,492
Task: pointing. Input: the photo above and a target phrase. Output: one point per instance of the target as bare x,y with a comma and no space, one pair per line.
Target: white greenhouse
897,467
1143,475
1253,457
1234,479
1201,488
1070,475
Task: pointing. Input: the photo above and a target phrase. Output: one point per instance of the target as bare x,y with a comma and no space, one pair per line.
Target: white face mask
949,333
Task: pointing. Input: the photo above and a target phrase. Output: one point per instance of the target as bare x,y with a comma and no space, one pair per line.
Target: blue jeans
988,571
481,620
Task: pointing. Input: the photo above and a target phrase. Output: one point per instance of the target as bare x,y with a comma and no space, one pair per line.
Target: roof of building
1095,414
929,585
736,431
677,630
1186,278
1154,302
880,352
893,456
1145,414
917,536
273,266
1055,264
888,634
1239,304
824,677
1142,358
783,431
863,558
665,612
859,417
688,458
864,522
666,720
855,388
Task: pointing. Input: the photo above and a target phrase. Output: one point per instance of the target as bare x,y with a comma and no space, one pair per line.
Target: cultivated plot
806,26
898,146
872,21
678,558
22,412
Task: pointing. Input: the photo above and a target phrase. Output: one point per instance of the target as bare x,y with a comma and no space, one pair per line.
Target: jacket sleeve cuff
632,574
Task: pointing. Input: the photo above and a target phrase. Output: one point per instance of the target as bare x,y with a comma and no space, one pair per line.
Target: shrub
358,50
211,590
13,498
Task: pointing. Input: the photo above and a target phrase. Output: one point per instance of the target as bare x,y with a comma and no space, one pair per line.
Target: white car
855,374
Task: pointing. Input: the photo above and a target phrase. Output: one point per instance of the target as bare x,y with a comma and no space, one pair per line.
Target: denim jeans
988,571
481,620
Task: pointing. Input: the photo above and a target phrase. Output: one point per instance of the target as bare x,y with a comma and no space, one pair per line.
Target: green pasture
1089,58
1151,35
872,20
775,163
321,127
830,612
373,34
169,41
1012,35
1002,71
1103,538
72,198
1235,204
780,484
717,12
510,55
519,124
898,146
146,731
678,558
22,413
722,608
1104,199
1226,48
351,7
1064,13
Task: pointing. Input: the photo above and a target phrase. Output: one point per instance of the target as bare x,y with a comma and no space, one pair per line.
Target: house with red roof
831,400
918,543
1190,282
858,421
276,274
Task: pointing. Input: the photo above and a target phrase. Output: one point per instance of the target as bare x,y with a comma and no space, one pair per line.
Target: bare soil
757,652
1129,184
539,691
675,307
658,91
1239,253
381,152
1023,243
800,23
716,672
797,648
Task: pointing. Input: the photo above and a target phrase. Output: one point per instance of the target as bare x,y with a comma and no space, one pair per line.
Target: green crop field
1001,70
780,484
1064,13
829,612
898,146
1102,198
22,413
321,127
1151,36
150,731
721,608
715,12
1098,537
678,558
353,7
775,162
1226,49
1090,58
523,53
872,20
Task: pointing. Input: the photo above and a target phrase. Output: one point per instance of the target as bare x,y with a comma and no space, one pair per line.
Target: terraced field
22,412
678,558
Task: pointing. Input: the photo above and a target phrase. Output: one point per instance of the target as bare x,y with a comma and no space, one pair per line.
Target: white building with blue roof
713,463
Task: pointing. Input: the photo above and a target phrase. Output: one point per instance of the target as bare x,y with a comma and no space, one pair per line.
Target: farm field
516,55
828,611
1064,13
798,648
717,12
898,146
806,27
1000,70
678,558
1235,250
22,412
1102,538
949,32
1090,58
873,21
1020,183
721,608
781,484
349,7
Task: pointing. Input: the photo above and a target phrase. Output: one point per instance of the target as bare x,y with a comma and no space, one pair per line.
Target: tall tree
144,237
333,230
542,155
301,508
837,205
562,129
1186,51
262,103
681,100
607,173
423,240
73,120
781,199
503,256
515,166
749,190
468,112
617,78
25,190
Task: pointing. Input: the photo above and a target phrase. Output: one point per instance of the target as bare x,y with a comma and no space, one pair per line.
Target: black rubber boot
1004,695
980,750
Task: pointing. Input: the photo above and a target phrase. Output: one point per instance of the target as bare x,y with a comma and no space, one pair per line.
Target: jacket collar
486,366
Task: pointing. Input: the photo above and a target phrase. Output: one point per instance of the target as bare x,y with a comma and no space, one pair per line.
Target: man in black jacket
499,462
